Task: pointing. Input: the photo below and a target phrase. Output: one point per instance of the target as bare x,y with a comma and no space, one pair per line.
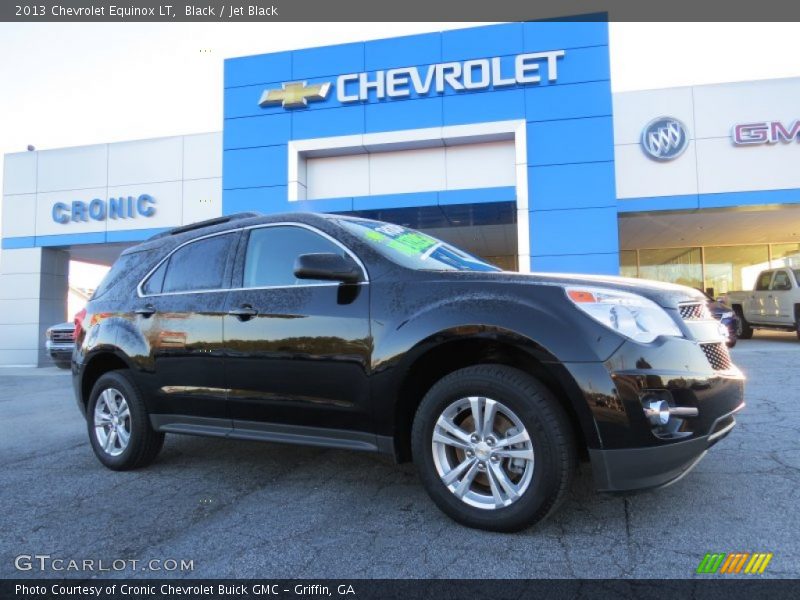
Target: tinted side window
118,271
271,252
155,282
199,265
781,281
763,281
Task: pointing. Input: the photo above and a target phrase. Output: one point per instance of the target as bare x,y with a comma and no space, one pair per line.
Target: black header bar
715,587
393,10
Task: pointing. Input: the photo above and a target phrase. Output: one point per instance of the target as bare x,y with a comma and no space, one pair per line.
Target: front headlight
631,315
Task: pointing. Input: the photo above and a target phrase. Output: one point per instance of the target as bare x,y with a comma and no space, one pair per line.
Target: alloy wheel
112,422
482,452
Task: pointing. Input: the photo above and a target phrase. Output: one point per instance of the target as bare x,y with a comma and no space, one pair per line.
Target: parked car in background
350,333
727,318
773,304
60,342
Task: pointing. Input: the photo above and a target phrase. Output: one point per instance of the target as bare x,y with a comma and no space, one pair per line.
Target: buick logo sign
664,138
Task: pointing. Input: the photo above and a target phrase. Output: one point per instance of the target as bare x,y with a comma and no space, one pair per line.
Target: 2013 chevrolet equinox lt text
350,333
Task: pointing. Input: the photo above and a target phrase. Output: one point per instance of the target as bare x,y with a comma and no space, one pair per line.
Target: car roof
179,235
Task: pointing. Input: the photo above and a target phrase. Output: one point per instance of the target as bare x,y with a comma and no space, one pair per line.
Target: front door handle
244,312
146,311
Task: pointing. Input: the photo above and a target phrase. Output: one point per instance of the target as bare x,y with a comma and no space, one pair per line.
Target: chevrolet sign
478,74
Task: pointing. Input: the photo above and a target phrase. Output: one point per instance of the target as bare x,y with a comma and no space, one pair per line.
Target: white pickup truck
773,304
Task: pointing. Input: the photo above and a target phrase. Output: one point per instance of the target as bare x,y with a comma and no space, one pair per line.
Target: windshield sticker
400,239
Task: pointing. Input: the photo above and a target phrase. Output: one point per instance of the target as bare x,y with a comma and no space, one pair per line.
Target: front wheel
493,448
744,331
119,426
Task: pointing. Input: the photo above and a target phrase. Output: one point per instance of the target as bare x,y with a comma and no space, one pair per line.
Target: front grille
717,354
62,336
694,312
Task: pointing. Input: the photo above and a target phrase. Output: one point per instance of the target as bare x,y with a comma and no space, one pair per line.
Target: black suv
351,333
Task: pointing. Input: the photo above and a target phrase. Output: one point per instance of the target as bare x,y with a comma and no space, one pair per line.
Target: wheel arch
97,365
449,351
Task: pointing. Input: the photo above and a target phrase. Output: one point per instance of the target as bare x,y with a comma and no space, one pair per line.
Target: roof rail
206,223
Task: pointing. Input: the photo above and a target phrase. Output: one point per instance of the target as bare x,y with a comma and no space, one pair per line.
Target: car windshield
414,249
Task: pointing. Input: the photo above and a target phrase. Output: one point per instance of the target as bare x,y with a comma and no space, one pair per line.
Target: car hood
667,295
717,308
65,325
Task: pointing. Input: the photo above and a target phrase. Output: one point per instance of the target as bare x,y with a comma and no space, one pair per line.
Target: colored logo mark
664,138
735,563
295,95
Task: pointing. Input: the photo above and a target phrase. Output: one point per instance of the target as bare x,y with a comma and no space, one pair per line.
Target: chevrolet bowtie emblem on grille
295,95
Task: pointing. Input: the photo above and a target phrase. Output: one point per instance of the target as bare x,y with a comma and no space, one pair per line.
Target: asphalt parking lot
246,509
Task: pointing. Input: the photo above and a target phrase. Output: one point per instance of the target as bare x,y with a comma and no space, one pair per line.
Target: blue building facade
546,84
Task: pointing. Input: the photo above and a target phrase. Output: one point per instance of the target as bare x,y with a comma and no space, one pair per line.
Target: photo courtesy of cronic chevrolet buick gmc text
350,333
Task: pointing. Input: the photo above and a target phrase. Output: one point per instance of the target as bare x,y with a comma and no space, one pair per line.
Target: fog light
657,412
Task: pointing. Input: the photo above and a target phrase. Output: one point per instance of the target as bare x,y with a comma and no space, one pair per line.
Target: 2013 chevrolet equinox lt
350,333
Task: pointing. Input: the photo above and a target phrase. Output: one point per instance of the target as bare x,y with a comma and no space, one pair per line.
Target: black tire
542,416
745,331
62,364
797,320
144,442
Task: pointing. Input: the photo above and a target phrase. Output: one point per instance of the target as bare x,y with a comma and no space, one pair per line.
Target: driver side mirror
328,267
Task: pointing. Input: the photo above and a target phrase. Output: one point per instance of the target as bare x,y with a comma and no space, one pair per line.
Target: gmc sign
765,132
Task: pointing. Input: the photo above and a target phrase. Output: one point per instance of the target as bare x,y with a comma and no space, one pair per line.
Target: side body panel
412,318
302,359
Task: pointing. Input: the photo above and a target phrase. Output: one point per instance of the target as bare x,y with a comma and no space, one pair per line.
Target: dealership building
505,140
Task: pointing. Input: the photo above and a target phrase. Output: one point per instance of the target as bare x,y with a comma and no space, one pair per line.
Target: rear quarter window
118,272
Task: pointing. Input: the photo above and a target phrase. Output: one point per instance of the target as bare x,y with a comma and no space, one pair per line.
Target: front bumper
61,351
627,469
627,450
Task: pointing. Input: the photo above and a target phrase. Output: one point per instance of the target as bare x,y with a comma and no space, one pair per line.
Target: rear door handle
146,311
244,312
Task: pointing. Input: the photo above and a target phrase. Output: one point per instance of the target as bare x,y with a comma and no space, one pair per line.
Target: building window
731,268
628,266
675,265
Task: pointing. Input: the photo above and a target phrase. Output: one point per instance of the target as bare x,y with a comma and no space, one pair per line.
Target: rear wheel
493,448
119,426
744,331
797,320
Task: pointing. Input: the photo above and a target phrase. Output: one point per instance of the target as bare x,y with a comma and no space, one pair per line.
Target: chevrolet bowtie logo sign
295,95
405,82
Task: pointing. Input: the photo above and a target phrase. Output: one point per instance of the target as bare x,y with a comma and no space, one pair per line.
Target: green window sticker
374,236
412,243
